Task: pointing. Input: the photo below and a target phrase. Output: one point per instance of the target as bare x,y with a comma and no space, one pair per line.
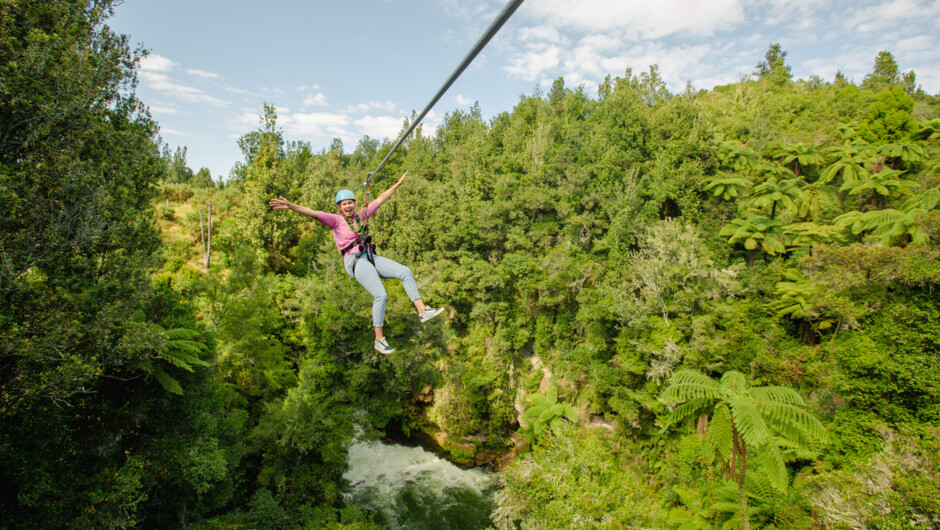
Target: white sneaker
382,347
429,313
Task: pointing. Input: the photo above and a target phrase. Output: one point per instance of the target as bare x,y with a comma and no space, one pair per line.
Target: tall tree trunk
206,241
209,239
739,449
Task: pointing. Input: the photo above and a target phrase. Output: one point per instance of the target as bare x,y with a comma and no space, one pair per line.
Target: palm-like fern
882,184
545,410
755,231
907,153
814,198
892,226
736,156
811,234
799,155
768,424
727,186
850,164
180,349
775,192
797,298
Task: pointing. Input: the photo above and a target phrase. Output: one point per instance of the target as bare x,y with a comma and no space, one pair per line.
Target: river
409,487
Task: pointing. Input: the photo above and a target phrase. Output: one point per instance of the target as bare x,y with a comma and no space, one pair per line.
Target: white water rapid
408,487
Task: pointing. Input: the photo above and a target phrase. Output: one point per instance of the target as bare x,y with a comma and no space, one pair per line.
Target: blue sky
345,69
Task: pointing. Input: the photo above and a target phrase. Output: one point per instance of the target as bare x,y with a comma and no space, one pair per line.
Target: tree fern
748,421
545,410
179,349
726,186
768,423
719,437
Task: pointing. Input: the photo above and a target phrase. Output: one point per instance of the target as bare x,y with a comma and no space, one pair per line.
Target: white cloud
156,63
315,99
360,107
202,73
382,105
313,124
649,19
174,132
247,120
239,91
462,100
163,110
541,34
380,126
163,84
916,46
531,65
887,14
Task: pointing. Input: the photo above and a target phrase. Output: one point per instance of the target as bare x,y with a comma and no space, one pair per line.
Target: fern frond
166,381
182,359
811,429
683,411
733,381
551,395
570,413
181,334
772,466
777,394
758,486
688,384
748,421
718,437
537,400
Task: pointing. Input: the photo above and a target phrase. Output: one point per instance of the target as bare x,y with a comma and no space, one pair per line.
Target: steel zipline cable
481,43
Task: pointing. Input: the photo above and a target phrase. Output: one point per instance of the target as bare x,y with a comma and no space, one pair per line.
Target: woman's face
347,208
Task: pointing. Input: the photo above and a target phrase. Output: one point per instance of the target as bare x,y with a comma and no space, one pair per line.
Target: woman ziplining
350,231
350,227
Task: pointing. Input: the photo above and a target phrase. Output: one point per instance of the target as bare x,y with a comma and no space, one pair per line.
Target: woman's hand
402,179
279,203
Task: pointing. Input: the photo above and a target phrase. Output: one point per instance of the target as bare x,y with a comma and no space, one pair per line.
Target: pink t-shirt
342,233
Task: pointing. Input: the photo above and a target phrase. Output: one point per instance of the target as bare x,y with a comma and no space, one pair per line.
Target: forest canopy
696,309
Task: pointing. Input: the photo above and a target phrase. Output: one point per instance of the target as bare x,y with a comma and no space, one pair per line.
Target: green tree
177,171
882,185
755,231
727,186
736,156
773,193
894,226
767,424
202,179
545,411
890,118
798,156
773,67
850,161
268,175
809,234
906,153
885,71
814,199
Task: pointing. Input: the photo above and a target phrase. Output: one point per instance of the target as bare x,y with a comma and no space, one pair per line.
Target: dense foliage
717,306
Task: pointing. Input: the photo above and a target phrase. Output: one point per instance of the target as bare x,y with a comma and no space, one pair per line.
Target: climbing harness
363,241
490,32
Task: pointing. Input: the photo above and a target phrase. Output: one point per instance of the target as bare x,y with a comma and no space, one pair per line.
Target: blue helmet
343,195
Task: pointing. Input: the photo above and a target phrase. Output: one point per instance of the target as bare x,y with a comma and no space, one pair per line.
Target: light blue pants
370,277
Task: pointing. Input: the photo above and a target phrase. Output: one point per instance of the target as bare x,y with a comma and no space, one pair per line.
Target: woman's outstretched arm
384,196
281,203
